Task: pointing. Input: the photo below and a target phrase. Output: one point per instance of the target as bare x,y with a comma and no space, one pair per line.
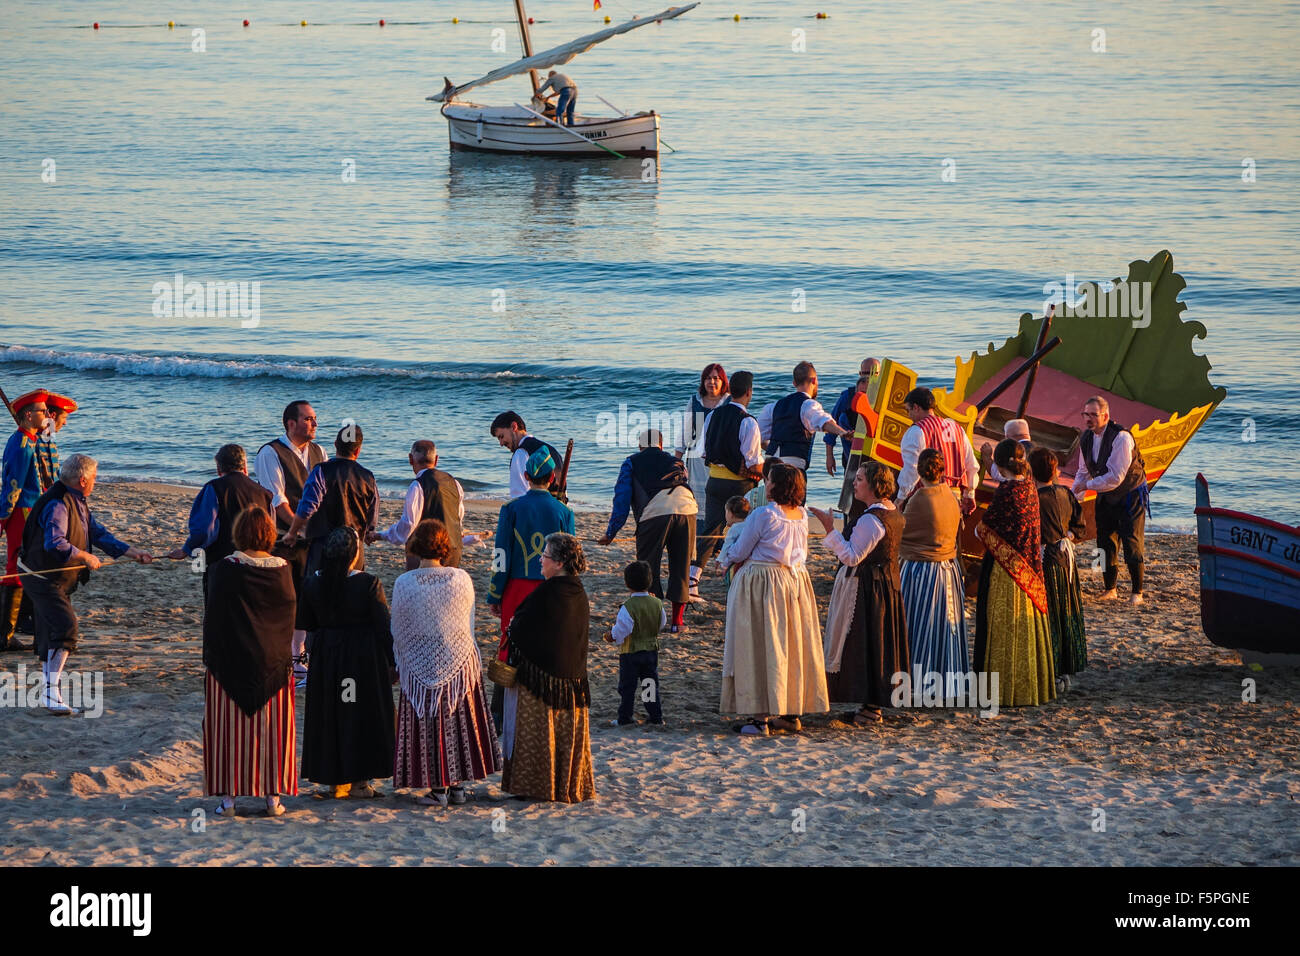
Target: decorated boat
527,129
1126,343
1250,582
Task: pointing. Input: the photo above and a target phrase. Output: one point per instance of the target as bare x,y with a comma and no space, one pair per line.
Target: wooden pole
1025,366
546,119
1029,382
527,39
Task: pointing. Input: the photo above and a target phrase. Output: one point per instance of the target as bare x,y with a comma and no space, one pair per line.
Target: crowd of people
289,604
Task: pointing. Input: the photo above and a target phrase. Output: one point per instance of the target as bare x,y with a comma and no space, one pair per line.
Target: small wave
181,366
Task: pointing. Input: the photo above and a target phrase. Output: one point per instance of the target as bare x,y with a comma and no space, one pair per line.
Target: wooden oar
985,402
1029,381
624,113
547,119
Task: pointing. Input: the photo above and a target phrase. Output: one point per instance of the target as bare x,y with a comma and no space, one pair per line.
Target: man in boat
733,450
788,425
433,494
20,485
281,467
215,507
844,415
961,471
568,91
654,485
510,432
57,539
1111,465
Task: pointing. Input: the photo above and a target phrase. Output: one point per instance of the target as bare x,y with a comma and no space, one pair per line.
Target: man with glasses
788,425
1111,466
281,467
21,483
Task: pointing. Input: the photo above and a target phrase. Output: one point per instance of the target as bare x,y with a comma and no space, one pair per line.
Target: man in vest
788,425
218,503
844,415
282,466
338,493
21,483
733,450
509,430
960,469
1111,465
58,537
657,489
433,494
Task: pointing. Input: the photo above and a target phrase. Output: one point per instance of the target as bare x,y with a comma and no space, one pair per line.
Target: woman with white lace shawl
445,734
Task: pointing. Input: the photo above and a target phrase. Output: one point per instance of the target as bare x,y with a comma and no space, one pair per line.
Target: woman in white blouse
772,669
866,627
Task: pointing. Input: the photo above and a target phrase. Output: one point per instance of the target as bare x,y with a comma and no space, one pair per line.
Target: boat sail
525,130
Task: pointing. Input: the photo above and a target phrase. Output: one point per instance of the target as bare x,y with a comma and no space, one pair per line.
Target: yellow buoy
171,24
303,23
607,19
455,19
736,18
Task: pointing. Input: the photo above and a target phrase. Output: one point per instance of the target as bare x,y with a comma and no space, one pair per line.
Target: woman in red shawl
1012,635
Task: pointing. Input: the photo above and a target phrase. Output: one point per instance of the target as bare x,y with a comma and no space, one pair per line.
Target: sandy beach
1154,740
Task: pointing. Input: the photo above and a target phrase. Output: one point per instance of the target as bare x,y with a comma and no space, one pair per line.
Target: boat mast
527,40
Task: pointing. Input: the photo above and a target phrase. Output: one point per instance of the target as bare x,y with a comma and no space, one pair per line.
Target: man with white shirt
733,450
433,494
510,432
960,469
788,425
281,467
1111,465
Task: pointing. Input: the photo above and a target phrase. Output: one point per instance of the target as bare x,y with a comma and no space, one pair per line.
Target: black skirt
876,646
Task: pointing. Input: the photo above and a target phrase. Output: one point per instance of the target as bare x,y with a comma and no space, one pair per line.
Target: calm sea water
818,169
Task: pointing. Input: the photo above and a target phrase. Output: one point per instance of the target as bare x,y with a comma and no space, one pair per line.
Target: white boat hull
507,129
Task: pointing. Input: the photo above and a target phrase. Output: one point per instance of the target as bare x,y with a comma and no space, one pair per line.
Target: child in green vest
636,630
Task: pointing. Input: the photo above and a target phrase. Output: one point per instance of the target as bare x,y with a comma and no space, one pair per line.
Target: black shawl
248,631
548,642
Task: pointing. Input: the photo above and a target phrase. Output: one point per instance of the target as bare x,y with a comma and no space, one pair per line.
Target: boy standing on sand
636,629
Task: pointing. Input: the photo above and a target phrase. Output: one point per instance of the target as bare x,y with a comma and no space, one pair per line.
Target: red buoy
381,23
530,19
96,25
245,23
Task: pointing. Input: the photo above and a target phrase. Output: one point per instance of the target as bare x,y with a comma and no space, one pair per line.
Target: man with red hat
59,407
20,485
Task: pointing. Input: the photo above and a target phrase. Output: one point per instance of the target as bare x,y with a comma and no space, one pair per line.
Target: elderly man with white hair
57,542
1017,429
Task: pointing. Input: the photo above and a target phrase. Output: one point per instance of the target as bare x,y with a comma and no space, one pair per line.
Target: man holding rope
56,557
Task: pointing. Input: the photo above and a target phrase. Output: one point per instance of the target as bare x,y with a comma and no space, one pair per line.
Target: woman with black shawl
348,734
248,725
1012,636
546,738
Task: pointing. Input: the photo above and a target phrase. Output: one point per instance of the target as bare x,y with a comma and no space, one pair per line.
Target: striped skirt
934,595
248,756
449,747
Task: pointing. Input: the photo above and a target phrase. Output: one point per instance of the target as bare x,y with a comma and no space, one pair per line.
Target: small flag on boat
595,4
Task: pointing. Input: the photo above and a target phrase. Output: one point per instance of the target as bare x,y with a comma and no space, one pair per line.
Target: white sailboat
523,129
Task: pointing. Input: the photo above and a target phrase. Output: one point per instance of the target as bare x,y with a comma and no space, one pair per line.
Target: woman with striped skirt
933,591
248,726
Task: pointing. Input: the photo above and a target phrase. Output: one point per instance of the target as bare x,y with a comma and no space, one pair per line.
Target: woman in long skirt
1061,519
1013,639
248,728
933,590
866,627
546,735
772,669
445,735
347,737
